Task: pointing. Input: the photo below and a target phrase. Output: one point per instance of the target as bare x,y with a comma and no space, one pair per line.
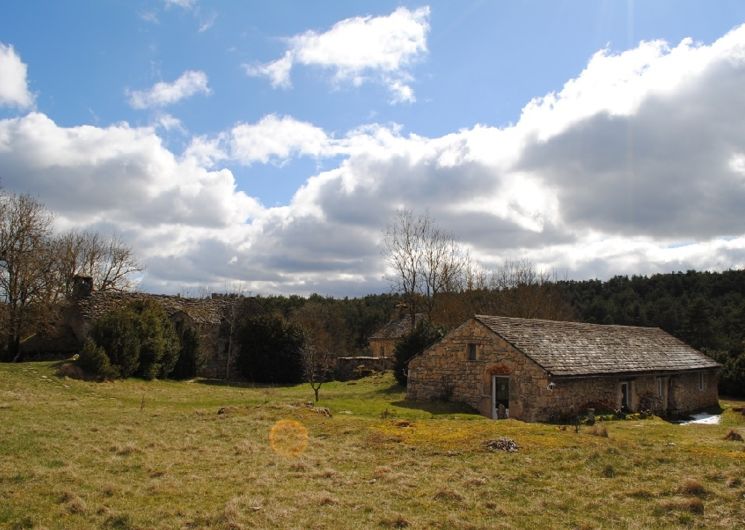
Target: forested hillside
705,309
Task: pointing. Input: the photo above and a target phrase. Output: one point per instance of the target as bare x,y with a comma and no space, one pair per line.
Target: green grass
77,454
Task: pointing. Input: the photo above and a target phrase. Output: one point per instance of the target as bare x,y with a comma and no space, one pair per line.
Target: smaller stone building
383,342
541,370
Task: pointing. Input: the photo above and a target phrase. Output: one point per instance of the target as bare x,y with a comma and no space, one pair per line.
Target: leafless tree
443,264
318,366
108,261
27,261
404,240
426,260
37,267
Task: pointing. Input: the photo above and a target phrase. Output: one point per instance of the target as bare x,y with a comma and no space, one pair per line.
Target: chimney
401,310
82,286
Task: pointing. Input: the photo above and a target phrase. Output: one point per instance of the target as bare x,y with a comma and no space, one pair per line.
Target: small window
471,352
700,380
660,387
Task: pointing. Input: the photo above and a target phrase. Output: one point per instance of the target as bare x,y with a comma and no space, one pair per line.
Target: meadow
135,454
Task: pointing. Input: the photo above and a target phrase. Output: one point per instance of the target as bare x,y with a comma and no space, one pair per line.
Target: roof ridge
570,322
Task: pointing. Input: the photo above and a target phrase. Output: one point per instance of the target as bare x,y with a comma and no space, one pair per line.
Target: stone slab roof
200,310
395,329
578,349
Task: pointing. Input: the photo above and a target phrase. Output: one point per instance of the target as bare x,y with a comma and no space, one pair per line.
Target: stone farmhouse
383,341
542,370
210,317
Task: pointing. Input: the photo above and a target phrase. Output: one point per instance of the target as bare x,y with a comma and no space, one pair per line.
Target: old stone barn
540,370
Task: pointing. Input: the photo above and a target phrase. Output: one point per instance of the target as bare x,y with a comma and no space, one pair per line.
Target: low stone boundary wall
348,368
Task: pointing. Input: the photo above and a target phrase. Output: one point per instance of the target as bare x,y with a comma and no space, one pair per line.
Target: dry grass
598,430
79,455
691,486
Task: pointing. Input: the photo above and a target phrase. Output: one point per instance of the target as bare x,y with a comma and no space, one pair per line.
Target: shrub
94,361
159,344
270,350
190,358
732,379
139,340
116,332
422,337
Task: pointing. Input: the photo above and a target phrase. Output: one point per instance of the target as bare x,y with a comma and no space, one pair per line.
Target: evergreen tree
422,337
269,350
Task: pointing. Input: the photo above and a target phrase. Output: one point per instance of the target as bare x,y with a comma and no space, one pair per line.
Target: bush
422,337
159,344
190,358
270,350
117,333
94,361
732,380
139,340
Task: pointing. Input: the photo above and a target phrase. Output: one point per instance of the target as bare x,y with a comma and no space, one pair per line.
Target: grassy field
134,454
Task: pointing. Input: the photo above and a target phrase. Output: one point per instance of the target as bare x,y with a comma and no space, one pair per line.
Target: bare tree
318,366
443,264
404,239
426,260
108,261
27,261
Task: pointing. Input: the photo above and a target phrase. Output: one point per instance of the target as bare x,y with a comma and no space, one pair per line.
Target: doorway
500,397
625,400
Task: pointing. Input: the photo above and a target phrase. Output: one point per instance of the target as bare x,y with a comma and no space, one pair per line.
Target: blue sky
272,141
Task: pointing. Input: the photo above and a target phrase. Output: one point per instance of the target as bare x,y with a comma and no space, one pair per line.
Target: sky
265,146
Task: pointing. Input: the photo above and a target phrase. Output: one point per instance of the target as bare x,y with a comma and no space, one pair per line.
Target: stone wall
382,347
348,368
686,395
445,372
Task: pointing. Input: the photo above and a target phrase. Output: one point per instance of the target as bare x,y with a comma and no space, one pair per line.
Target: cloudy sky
267,145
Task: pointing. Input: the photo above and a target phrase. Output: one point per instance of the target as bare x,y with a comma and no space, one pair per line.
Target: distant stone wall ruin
349,368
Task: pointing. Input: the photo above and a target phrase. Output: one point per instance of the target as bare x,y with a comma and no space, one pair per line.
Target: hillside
135,454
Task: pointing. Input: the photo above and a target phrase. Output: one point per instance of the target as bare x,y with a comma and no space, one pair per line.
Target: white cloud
190,83
13,83
635,166
122,178
149,16
168,122
277,71
183,4
358,50
205,151
206,22
277,138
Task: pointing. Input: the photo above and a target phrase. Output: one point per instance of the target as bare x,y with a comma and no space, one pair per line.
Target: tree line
37,267
429,272
704,309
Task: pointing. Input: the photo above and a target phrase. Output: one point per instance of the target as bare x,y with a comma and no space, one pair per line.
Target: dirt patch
733,436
